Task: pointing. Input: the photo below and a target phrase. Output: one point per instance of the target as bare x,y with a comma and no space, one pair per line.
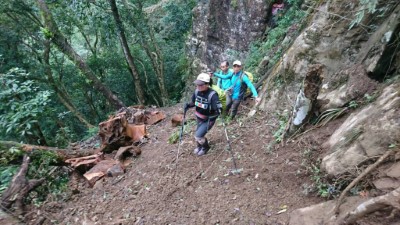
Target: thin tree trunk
61,42
152,50
19,188
63,97
127,53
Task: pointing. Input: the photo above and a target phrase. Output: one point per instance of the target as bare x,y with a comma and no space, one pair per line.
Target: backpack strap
234,83
242,75
209,97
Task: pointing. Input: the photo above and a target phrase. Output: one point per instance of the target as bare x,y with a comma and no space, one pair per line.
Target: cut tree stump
177,120
117,132
19,188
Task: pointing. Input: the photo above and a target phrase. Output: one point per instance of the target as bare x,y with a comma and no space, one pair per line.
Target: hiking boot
198,148
204,149
201,152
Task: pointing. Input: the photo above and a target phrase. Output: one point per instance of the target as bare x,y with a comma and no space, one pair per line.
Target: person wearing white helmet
239,84
208,108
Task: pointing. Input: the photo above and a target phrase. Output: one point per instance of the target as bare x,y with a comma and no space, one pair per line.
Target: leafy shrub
44,165
283,119
272,47
22,103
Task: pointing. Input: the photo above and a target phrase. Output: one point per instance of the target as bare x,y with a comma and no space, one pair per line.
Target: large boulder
365,134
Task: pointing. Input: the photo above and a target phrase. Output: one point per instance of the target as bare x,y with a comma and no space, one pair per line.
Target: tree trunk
63,97
62,153
127,53
19,189
152,50
61,42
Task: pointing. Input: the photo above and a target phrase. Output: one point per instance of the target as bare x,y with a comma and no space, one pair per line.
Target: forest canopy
66,65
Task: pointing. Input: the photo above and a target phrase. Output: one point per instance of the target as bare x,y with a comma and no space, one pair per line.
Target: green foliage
22,103
174,137
329,115
320,183
370,98
272,47
6,175
353,104
282,119
8,159
10,155
47,34
367,6
64,136
43,166
234,4
178,18
93,131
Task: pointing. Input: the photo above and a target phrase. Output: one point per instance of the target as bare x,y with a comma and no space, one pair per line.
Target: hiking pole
235,171
180,134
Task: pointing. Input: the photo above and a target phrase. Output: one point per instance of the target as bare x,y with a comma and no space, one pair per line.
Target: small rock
115,170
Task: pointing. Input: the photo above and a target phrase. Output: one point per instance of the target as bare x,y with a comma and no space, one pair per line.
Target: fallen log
62,153
19,188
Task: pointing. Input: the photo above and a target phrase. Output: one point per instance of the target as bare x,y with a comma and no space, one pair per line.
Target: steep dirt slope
198,190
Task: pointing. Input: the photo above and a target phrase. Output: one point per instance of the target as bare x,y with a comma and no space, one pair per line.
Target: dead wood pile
123,131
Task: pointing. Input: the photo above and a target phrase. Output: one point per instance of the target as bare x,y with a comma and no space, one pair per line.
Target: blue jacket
224,84
237,91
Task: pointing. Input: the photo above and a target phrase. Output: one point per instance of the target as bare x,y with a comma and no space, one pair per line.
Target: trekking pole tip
236,171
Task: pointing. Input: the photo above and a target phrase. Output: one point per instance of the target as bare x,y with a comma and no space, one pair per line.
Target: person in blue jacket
224,84
239,84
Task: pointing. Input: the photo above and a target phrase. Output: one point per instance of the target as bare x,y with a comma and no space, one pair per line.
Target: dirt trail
199,190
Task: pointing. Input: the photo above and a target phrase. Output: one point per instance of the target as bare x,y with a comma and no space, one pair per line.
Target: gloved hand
186,107
219,111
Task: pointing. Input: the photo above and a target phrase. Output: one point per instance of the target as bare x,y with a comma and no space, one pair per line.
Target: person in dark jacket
208,108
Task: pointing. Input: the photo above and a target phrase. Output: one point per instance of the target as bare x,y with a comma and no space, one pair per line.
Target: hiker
208,109
239,84
223,84
276,14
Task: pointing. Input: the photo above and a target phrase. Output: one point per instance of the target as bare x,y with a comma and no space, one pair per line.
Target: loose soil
158,189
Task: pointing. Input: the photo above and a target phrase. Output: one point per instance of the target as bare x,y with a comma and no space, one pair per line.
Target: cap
202,78
237,62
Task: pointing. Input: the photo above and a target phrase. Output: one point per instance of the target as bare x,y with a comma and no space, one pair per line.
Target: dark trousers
203,126
233,105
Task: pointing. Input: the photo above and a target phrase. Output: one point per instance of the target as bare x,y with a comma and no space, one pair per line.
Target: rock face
223,28
365,134
346,85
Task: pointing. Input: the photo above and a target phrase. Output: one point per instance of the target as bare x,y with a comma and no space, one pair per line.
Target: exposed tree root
372,205
361,176
19,188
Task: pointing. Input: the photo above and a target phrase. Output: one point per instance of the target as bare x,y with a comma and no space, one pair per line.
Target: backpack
221,95
244,85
